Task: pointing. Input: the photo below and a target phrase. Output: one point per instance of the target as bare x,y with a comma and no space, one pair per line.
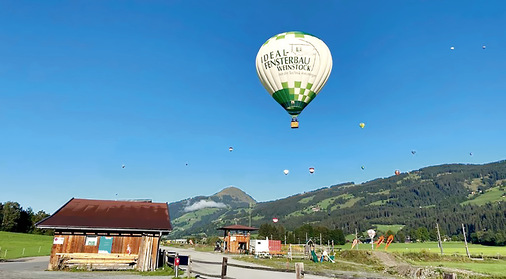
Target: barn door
105,245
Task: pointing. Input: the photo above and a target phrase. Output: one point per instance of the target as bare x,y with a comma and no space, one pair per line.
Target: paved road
29,268
34,268
233,272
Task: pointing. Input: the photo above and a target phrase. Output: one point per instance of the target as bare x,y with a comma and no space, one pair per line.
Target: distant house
104,234
236,238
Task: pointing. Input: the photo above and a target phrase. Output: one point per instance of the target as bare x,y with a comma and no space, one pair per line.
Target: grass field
497,268
385,228
449,248
495,194
18,245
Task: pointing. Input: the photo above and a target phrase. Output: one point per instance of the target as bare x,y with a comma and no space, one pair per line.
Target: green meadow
496,194
18,245
496,268
449,248
386,228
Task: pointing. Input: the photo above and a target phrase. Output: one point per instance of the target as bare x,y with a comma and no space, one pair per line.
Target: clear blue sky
86,86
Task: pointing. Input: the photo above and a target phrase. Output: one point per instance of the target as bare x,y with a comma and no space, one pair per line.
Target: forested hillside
451,195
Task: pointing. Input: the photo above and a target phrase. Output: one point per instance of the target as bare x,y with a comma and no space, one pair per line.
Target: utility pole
356,236
249,224
465,241
439,239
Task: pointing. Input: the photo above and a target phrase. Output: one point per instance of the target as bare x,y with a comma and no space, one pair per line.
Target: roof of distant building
238,228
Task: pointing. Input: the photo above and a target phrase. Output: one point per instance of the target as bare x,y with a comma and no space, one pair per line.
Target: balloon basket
294,124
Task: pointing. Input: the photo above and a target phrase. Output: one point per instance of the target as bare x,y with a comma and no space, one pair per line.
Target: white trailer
259,247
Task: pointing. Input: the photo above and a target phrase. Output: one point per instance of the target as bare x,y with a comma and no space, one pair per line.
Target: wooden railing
190,270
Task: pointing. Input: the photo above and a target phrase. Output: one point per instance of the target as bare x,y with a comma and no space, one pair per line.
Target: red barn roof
237,228
109,215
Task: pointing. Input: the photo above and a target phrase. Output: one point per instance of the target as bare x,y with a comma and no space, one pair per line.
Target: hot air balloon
286,172
362,125
413,152
293,67
471,154
275,220
397,172
311,170
362,167
230,149
122,166
452,48
483,46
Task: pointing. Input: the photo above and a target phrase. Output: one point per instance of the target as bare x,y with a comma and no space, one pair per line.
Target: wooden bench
93,261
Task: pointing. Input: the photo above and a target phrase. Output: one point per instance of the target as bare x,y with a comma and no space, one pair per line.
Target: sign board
105,244
91,240
58,240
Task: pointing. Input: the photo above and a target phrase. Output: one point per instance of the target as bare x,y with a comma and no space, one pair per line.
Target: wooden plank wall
76,244
148,253
233,246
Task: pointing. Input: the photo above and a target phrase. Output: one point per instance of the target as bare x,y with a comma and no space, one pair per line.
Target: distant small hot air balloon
311,170
413,152
286,172
362,167
471,154
275,220
483,46
397,172
452,48
230,149
362,125
122,166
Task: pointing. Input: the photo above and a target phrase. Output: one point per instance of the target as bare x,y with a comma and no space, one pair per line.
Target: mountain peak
236,194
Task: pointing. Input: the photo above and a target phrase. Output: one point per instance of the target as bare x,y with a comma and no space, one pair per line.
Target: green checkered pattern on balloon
294,34
294,97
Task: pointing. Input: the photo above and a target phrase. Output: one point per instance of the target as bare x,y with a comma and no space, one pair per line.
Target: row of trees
13,218
489,237
305,232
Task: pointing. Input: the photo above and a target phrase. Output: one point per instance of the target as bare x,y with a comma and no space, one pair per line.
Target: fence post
299,270
39,248
23,252
176,264
189,275
224,268
5,254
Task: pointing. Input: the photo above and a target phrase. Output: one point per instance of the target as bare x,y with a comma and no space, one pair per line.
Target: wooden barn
236,238
104,234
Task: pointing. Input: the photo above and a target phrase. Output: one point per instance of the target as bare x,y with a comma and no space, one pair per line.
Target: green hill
449,194
203,214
